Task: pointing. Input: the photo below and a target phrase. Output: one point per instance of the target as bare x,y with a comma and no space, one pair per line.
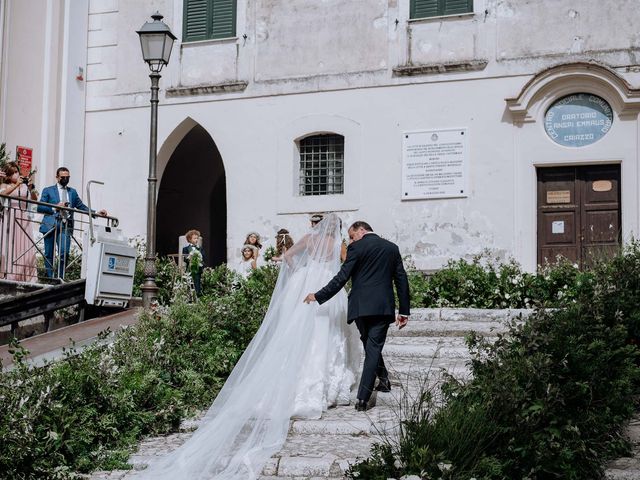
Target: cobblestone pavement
324,448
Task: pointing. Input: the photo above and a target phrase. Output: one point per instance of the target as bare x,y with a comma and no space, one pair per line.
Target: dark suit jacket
52,217
374,265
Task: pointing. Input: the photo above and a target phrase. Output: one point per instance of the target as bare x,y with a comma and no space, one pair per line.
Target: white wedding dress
302,360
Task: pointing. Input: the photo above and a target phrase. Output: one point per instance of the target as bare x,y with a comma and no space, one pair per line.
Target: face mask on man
64,181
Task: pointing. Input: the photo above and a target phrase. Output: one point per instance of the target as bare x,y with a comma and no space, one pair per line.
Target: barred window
322,165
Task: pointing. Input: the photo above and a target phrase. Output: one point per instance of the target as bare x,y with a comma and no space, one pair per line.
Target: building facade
452,126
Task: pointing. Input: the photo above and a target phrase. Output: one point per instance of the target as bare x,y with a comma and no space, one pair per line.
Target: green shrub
86,411
546,400
483,282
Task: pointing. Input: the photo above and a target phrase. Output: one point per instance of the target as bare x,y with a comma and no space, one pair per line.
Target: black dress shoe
384,386
361,406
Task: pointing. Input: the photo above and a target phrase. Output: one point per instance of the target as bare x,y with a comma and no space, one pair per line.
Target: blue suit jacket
52,218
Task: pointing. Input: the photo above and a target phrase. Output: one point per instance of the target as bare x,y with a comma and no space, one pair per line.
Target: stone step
430,348
627,468
271,477
438,328
457,322
346,420
439,340
622,474
314,455
478,315
399,367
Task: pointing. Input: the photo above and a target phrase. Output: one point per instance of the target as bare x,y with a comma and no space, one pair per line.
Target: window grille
322,165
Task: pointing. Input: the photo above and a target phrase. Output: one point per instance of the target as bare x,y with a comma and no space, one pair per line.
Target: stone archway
192,194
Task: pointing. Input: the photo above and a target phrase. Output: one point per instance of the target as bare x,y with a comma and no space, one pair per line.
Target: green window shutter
435,8
223,18
454,7
423,8
195,20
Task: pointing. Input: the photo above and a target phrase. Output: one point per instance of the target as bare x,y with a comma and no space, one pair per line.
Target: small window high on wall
438,8
321,164
209,19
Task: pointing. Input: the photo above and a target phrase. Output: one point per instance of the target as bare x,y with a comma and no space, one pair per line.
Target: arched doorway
192,194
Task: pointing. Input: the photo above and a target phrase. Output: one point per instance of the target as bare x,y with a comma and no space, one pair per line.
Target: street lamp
156,40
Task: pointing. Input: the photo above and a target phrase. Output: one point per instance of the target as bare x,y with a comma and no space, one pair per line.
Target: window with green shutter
437,8
209,19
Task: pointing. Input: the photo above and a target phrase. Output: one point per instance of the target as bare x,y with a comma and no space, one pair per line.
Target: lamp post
156,40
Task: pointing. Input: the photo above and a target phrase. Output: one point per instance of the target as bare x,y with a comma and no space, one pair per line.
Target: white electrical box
108,265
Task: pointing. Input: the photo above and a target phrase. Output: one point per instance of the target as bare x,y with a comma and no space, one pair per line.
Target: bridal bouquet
195,261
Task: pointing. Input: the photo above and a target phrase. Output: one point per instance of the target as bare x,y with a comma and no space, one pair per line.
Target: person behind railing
57,224
19,253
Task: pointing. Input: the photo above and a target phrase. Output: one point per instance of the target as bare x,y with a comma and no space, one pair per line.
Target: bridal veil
249,420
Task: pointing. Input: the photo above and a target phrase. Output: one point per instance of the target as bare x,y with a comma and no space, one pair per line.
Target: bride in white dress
302,360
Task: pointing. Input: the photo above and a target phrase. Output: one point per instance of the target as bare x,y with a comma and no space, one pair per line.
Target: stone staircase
323,449
432,342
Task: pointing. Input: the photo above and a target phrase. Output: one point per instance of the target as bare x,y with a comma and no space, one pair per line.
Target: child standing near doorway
194,258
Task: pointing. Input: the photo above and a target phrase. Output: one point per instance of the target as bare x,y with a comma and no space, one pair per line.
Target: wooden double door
578,213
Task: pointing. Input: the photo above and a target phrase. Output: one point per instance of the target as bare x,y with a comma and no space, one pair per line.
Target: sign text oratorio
578,120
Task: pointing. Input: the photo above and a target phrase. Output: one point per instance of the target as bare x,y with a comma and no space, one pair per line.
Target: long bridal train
302,360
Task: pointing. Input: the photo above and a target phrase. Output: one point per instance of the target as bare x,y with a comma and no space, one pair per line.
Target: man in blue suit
57,224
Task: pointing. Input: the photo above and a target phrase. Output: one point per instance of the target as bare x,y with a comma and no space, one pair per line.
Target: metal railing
41,247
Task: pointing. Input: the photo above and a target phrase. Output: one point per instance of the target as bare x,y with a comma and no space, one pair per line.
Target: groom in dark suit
374,265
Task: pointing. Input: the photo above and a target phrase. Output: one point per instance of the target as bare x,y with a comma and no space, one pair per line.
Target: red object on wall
24,157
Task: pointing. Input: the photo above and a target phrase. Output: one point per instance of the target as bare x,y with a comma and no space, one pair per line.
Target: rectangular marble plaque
435,164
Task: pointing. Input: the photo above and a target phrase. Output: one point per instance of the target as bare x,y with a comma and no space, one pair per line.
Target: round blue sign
578,120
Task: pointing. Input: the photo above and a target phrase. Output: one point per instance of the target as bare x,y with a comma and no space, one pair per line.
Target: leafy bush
546,400
482,282
86,411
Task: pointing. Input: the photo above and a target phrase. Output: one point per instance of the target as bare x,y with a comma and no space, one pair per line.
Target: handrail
29,252
114,220
92,237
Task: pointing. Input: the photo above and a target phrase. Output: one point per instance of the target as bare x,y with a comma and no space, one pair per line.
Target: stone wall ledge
228,87
435,68
479,315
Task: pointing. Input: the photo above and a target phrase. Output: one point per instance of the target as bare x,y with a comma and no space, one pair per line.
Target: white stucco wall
24,121
363,69
256,141
42,104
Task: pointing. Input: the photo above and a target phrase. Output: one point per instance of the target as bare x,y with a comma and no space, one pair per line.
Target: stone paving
324,448
628,468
